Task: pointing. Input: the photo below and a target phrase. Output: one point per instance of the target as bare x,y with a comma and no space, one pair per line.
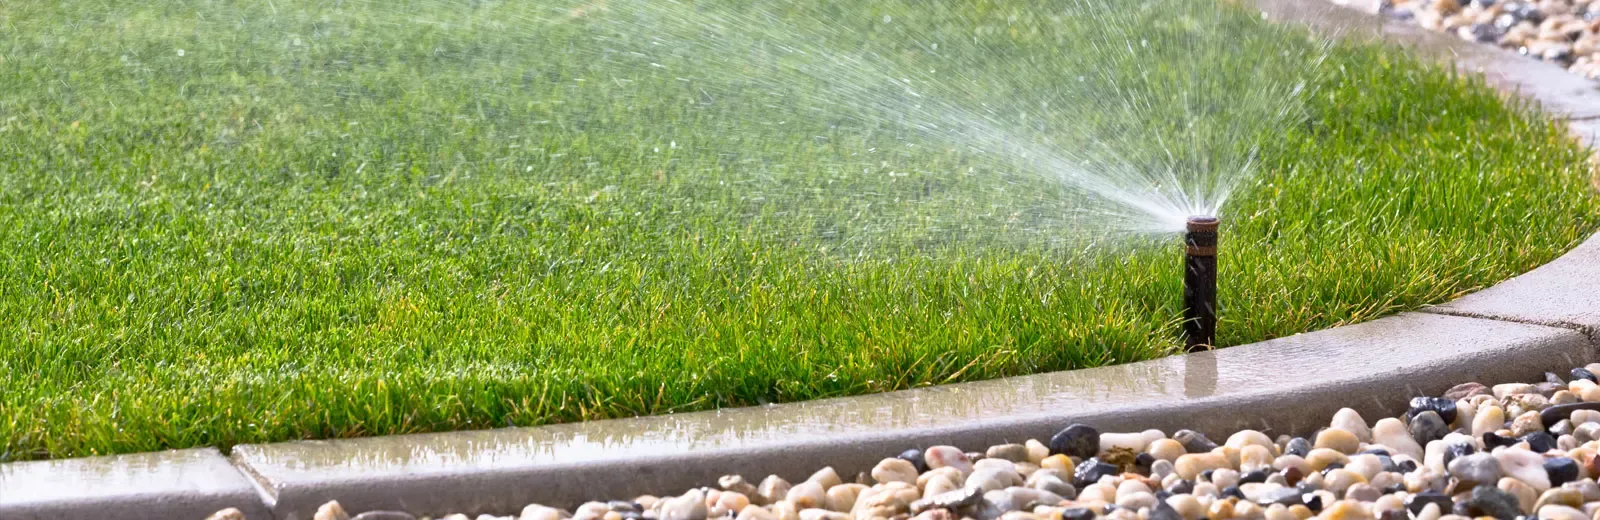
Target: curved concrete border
1546,319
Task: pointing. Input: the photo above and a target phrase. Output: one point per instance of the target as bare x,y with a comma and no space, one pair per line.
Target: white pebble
1391,432
1349,420
1525,466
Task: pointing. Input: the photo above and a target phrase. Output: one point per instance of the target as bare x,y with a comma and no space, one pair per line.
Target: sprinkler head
1200,236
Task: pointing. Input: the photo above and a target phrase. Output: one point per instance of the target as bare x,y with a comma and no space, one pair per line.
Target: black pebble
1526,11
1331,466
1181,487
1492,440
1233,491
1488,501
1540,442
1457,449
1163,495
1584,373
1078,440
1205,476
1407,466
1090,471
1162,511
1298,446
1444,407
1143,460
1077,513
1397,488
1193,441
1555,414
1313,502
1561,470
1253,477
914,456
1388,463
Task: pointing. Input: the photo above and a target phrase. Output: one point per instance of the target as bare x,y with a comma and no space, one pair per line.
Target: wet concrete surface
167,484
1288,385
1563,293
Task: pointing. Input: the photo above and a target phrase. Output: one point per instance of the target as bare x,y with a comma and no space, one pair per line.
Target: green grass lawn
228,222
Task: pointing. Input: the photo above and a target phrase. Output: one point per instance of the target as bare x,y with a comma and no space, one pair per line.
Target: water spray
1200,283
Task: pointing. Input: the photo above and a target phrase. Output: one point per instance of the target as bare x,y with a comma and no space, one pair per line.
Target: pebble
1078,440
1559,496
989,479
885,501
827,477
231,513
949,500
1561,470
1488,420
894,470
947,457
1480,468
1392,433
692,505
1092,470
1560,512
935,483
1525,466
331,511
540,512
808,494
750,512
1465,391
1243,438
1193,441
772,489
384,515
1337,440
1427,427
1526,496
1526,423
1190,466
1167,450
1349,420
1445,407
821,514
1011,452
1490,501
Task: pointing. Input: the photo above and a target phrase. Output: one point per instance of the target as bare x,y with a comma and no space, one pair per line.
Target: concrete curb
1546,319
167,484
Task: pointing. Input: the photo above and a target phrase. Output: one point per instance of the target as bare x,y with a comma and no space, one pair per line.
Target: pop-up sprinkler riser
1200,283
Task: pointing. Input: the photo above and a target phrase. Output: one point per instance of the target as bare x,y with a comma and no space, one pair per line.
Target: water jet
1200,282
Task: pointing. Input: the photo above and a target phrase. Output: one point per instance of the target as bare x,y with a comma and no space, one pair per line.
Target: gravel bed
1519,450
1563,32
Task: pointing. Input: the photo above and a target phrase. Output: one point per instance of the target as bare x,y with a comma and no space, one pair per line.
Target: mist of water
1137,140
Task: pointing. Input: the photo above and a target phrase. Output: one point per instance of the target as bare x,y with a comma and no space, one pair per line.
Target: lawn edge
1545,319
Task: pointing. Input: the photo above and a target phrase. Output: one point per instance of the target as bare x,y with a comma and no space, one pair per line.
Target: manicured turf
258,221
